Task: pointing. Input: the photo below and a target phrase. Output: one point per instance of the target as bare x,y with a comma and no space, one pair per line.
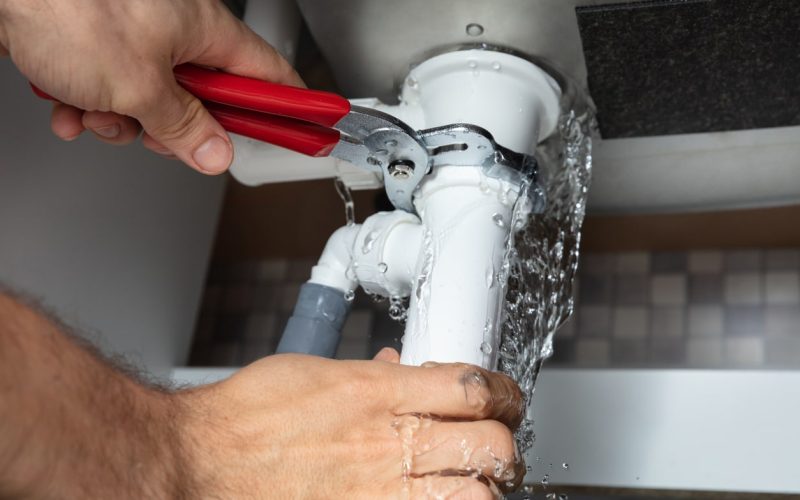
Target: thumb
387,354
179,122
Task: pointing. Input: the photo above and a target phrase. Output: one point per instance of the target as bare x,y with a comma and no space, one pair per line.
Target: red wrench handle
299,136
315,106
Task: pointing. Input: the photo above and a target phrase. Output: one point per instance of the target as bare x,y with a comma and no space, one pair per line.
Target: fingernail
474,383
109,131
214,155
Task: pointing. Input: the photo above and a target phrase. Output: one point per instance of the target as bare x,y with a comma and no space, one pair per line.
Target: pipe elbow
337,257
386,252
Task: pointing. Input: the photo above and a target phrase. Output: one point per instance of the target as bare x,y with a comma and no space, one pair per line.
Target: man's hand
292,426
288,426
111,64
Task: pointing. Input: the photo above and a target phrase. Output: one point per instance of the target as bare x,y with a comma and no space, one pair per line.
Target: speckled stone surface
685,66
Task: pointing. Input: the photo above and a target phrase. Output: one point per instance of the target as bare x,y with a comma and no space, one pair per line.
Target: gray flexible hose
315,326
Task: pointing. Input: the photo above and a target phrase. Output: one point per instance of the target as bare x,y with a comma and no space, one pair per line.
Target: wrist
197,445
181,444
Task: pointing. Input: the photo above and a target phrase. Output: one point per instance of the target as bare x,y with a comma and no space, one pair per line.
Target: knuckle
501,438
181,125
131,96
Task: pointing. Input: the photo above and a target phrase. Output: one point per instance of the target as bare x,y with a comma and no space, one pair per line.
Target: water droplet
474,29
498,220
472,64
486,348
496,66
369,242
382,267
563,496
391,143
546,480
349,295
412,82
398,311
565,466
490,281
550,496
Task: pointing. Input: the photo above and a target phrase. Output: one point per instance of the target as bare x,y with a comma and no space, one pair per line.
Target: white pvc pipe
456,298
515,100
456,302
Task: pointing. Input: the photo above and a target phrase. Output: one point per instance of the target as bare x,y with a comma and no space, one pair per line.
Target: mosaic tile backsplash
698,309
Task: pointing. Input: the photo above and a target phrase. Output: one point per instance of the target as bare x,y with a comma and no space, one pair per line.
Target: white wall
116,240
715,430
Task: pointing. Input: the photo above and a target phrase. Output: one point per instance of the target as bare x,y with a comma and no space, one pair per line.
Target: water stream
542,256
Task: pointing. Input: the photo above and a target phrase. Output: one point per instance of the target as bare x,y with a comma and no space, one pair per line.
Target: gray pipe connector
315,326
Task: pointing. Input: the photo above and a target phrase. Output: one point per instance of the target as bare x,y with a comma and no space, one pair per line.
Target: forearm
72,426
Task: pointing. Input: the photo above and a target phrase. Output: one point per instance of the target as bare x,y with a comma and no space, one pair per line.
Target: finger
486,447
462,391
111,127
156,147
178,122
451,488
65,121
235,48
387,354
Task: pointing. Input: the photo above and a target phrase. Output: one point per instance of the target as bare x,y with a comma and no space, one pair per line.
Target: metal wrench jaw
379,142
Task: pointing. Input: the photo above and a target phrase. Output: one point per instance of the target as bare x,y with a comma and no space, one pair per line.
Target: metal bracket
379,142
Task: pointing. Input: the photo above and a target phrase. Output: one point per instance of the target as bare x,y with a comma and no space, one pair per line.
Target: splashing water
542,257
